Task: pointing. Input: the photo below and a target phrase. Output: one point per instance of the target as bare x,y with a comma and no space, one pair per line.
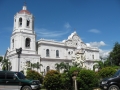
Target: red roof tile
24,12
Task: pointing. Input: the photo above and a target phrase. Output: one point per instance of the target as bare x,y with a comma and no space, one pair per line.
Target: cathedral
25,50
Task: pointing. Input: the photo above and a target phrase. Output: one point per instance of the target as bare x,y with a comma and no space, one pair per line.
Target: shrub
66,81
31,74
87,79
74,69
106,72
52,80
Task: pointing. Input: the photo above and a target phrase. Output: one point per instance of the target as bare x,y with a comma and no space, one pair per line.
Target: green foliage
62,65
99,64
73,69
31,74
6,64
116,67
115,54
106,72
66,81
107,63
1,58
52,80
87,79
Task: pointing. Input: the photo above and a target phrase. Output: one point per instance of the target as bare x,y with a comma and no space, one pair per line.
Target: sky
97,22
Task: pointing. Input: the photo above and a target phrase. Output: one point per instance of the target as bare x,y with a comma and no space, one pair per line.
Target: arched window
12,43
28,23
20,22
93,56
47,53
27,42
47,68
57,53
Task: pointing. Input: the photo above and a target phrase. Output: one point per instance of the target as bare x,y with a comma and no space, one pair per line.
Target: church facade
45,52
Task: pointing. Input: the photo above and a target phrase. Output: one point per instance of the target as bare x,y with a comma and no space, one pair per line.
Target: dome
24,10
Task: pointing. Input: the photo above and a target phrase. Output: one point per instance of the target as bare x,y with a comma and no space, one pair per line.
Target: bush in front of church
52,80
87,79
66,81
34,75
106,72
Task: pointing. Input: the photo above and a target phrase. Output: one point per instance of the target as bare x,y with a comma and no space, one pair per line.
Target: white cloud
104,53
67,25
94,31
96,44
45,33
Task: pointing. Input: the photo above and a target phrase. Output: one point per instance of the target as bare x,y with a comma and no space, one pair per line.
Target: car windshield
117,73
20,75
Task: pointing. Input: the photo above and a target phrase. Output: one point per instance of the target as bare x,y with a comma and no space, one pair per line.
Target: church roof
24,10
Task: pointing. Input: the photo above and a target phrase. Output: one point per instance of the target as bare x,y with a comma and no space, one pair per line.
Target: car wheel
26,88
113,87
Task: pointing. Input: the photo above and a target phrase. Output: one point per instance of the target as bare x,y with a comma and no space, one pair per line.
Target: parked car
10,80
111,83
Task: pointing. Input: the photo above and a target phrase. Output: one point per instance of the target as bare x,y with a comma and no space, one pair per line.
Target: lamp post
74,80
19,51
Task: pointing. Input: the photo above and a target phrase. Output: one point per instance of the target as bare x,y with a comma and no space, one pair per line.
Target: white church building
46,52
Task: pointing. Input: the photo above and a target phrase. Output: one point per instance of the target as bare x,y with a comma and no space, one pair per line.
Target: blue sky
97,22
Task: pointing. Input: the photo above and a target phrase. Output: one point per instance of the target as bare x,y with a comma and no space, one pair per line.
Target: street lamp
74,76
19,51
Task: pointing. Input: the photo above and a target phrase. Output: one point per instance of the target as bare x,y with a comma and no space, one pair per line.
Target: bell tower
23,38
23,35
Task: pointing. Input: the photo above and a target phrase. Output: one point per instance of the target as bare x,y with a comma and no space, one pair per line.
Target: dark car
111,83
10,80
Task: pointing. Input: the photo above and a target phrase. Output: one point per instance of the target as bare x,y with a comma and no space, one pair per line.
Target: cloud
94,31
104,53
67,25
45,33
96,44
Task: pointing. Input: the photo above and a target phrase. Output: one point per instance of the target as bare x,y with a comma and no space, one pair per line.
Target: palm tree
38,66
62,66
99,64
33,65
57,67
6,64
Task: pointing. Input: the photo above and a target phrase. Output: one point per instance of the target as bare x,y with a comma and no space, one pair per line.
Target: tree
62,66
99,65
6,64
1,58
115,55
32,74
38,66
52,80
33,65
66,81
107,63
57,67
106,72
87,79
